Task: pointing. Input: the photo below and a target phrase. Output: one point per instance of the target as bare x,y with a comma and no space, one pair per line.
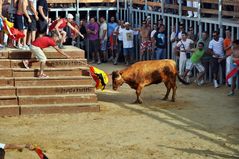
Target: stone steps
20,72
56,99
51,53
46,90
51,81
51,63
68,89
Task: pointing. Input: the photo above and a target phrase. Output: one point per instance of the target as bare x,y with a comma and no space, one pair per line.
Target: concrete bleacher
69,87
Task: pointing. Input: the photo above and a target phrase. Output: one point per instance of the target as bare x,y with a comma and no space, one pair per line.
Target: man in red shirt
59,24
36,49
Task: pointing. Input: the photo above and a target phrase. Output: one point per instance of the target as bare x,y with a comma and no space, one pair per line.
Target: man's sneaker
43,76
215,83
187,79
230,94
99,62
25,47
199,83
26,63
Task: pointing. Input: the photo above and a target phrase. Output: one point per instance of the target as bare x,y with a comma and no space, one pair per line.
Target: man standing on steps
36,48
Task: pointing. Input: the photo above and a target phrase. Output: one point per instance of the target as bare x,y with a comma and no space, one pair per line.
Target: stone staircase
69,87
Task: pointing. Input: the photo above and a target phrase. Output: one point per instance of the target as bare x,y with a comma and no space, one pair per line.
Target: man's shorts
93,45
42,26
128,51
38,53
145,45
33,25
20,22
190,65
103,45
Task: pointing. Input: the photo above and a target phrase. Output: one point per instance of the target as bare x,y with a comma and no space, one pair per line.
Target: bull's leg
174,87
138,92
168,86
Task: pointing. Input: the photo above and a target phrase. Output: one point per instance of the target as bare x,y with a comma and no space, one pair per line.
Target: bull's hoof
165,98
173,100
138,102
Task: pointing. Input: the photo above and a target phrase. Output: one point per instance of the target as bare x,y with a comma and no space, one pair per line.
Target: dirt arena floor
203,123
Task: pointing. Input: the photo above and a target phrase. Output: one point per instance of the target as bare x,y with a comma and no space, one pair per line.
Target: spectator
92,30
83,32
110,34
173,40
191,34
216,50
22,19
181,30
128,42
103,39
228,50
145,44
118,31
234,64
160,41
195,62
183,46
42,23
32,27
207,58
152,39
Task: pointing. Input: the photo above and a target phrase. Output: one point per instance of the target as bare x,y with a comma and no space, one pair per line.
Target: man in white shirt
118,32
184,47
217,52
128,42
103,39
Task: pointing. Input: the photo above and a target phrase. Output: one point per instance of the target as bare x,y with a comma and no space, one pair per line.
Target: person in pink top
37,49
59,24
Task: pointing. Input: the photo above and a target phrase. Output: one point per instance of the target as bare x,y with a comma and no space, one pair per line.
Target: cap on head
70,16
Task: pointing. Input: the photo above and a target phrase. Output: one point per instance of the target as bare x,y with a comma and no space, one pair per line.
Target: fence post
77,12
117,12
130,12
220,16
199,18
180,11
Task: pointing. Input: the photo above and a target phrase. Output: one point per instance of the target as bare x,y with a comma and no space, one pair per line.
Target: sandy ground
203,123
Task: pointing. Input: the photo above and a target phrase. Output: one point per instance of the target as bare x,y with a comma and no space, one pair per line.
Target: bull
145,73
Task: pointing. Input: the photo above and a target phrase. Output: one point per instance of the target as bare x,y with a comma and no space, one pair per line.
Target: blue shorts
128,51
103,45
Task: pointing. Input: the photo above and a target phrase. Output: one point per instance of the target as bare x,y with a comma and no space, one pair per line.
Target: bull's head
117,80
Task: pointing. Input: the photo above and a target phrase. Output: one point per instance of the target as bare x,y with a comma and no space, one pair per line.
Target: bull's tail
182,80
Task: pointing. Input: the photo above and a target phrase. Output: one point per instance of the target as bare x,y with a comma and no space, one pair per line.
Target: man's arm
75,30
25,4
40,8
33,9
60,51
19,146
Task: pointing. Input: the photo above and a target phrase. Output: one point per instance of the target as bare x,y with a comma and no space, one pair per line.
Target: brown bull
145,73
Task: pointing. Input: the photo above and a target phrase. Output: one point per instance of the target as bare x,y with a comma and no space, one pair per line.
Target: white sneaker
190,16
200,83
215,83
25,47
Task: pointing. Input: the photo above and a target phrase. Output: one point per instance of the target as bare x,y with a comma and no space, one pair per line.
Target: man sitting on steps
36,48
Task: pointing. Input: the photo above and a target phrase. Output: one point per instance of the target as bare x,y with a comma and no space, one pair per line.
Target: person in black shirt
42,8
160,42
